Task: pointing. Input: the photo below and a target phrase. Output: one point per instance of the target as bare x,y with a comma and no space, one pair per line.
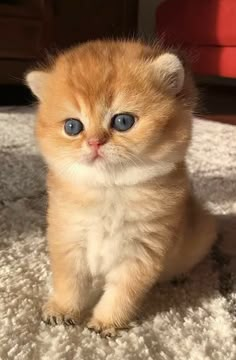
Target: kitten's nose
96,143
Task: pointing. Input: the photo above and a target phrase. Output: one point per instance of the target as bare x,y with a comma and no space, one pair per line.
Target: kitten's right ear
36,81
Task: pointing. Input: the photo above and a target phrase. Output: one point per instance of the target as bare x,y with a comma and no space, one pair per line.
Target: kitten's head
113,112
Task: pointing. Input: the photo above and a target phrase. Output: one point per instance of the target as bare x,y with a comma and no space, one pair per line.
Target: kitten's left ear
36,81
170,72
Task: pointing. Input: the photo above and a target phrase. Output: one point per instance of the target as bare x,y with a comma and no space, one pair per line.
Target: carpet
193,318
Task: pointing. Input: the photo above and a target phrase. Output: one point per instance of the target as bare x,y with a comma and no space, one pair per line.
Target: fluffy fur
123,221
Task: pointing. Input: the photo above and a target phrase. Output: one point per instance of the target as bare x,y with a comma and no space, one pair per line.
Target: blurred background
206,30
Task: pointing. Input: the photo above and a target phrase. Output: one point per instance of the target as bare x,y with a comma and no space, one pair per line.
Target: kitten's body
128,219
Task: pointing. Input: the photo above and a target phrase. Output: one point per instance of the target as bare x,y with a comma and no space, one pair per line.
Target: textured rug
192,319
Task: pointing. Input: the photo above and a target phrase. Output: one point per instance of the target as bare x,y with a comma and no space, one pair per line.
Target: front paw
53,314
103,328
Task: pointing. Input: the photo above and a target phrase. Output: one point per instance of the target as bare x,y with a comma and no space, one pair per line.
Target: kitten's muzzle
95,144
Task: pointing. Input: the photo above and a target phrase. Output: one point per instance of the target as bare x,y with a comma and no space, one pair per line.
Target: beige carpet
192,319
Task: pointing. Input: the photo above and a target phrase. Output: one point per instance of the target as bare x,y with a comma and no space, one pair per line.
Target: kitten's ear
36,81
170,72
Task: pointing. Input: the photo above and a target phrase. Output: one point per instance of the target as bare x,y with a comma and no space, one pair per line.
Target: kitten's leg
124,291
70,285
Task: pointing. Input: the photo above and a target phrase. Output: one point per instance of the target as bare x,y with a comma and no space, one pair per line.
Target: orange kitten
114,124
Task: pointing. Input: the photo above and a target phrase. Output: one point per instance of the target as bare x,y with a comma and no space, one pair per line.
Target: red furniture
207,28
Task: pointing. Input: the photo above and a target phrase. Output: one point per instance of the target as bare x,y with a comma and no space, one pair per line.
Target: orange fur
128,219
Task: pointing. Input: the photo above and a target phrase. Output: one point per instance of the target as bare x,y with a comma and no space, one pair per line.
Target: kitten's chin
94,160
103,161
101,173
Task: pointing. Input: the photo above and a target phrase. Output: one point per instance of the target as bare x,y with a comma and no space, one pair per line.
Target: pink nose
96,143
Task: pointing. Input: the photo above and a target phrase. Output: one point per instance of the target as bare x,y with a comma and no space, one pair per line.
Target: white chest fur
112,227
106,240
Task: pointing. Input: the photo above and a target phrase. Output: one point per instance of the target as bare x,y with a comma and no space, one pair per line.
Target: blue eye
122,122
73,127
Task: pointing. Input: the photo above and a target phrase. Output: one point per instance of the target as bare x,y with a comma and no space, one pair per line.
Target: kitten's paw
53,315
105,330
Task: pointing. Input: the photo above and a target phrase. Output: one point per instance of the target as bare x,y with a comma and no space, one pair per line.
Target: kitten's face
105,109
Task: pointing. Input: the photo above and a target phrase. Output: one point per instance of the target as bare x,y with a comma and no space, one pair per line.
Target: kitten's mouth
95,157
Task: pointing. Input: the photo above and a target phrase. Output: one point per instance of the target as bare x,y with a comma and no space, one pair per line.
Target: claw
71,322
47,321
54,320
104,331
107,333
52,315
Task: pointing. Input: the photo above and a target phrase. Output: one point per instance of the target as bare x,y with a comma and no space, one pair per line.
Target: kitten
114,124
